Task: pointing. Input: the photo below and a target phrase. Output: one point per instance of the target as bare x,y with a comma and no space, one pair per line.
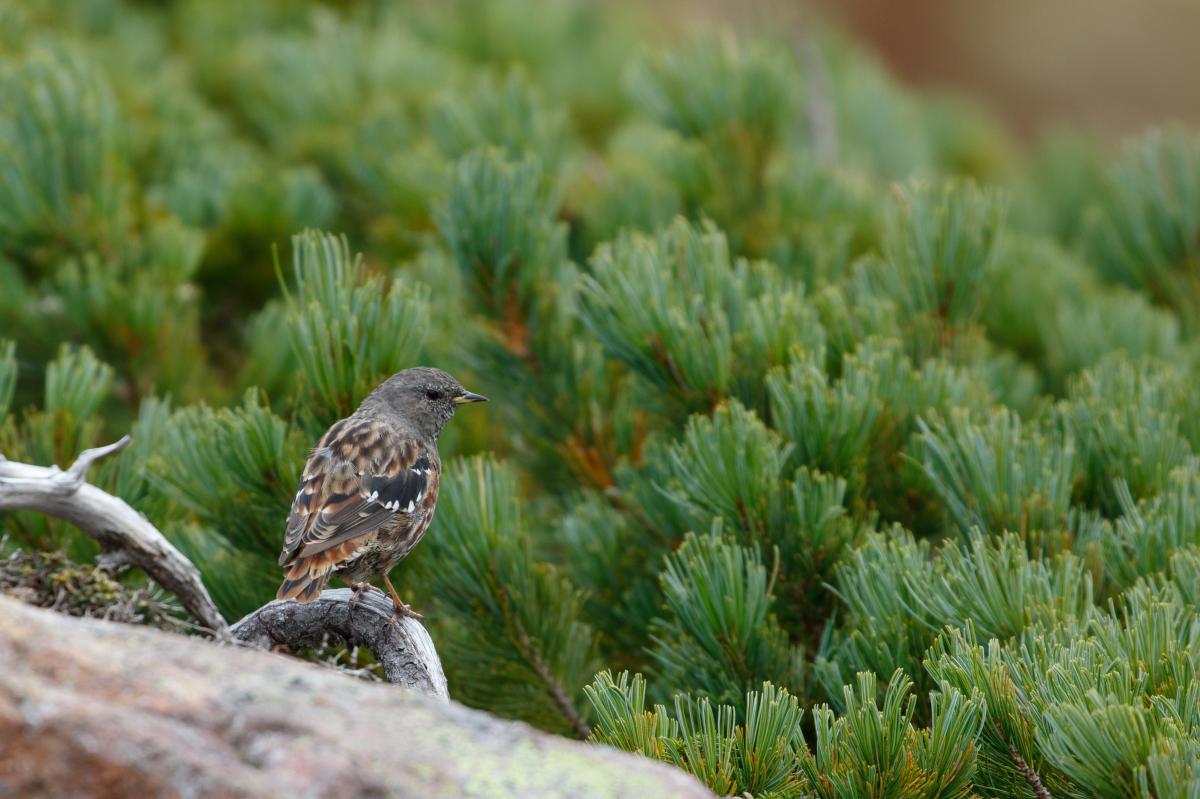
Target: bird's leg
398,607
356,590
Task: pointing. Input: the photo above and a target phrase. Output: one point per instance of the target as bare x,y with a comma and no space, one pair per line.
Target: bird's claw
356,591
400,610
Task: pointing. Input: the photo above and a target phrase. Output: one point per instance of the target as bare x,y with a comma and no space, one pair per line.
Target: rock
96,709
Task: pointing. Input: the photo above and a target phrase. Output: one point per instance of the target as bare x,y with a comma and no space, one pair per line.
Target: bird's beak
467,396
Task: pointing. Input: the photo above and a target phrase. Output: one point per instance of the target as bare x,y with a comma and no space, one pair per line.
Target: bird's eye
433,394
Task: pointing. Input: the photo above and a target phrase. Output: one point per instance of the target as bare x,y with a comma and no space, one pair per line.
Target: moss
53,580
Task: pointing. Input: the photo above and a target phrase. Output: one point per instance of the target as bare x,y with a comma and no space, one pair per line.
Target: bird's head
423,398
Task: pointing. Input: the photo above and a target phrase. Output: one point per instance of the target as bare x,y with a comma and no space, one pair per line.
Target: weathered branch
111,521
404,648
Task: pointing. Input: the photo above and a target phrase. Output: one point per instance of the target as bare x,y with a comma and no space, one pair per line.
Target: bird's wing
359,477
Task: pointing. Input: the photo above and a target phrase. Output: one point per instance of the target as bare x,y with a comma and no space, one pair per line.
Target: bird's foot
399,608
356,591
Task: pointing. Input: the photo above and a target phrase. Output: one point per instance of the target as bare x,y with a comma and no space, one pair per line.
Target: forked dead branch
127,538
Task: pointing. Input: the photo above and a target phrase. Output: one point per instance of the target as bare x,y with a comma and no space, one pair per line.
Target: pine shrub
837,447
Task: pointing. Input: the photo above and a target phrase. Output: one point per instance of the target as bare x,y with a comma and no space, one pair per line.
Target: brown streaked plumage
370,487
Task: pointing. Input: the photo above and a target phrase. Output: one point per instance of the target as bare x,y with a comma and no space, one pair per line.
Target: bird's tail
304,580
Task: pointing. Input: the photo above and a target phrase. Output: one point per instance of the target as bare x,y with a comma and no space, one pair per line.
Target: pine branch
751,756
1030,776
561,700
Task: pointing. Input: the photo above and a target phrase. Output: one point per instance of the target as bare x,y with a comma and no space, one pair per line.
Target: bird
370,487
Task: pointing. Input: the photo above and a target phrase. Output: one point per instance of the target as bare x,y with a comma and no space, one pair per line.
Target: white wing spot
410,506
374,496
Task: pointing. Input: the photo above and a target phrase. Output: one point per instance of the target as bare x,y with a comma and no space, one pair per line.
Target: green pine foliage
873,748
499,227
939,244
1131,419
228,474
996,474
757,758
695,323
868,438
63,166
512,624
1146,537
1144,230
8,374
718,614
346,327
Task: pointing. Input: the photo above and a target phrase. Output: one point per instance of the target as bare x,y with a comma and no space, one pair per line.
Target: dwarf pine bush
844,457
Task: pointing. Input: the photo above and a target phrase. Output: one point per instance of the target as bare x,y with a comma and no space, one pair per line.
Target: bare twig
113,561
111,521
819,109
79,469
404,648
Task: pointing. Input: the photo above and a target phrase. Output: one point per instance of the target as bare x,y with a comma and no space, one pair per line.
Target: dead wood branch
404,649
111,521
